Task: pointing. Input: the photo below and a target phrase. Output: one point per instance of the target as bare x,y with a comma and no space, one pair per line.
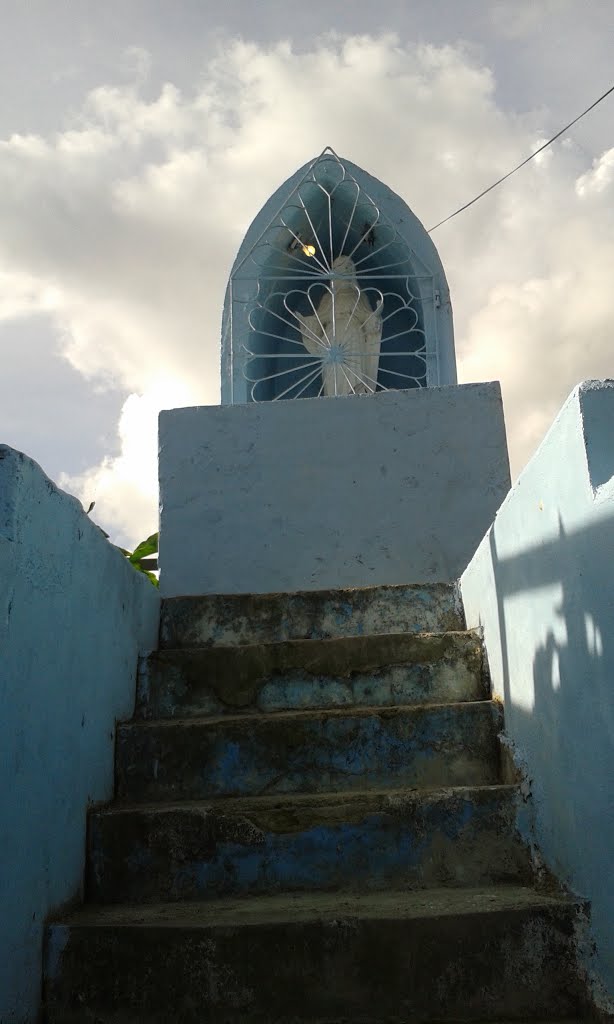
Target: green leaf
145,548
150,576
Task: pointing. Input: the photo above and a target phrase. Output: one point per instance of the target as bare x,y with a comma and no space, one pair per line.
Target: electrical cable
526,161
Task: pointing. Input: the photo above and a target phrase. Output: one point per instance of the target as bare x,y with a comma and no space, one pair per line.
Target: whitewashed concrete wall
73,618
396,487
542,586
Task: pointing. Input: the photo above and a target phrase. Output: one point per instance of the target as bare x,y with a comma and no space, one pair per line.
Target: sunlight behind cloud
124,488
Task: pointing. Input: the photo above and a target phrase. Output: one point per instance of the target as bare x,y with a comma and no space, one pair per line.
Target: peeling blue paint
433,842
222,620
436,746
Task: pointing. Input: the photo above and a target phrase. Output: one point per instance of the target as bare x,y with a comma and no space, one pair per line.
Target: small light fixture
309,250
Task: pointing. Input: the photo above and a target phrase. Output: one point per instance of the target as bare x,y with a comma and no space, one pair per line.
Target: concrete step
112,1018
228,619
448,955
309,751
389,669
463,836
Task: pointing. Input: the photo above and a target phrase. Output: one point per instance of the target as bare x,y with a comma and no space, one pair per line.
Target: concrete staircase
311,825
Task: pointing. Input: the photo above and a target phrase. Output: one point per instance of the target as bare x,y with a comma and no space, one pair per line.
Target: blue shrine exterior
331,211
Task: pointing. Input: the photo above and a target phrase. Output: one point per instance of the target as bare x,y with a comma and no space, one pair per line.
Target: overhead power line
526,161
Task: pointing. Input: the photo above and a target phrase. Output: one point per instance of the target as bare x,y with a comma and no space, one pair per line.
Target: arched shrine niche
337,290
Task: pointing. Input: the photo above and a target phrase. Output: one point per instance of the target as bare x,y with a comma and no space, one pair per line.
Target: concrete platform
309,751
388,669
486,952
391,488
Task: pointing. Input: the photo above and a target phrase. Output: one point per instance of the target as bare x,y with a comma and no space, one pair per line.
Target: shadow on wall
541,585
573,680
568,732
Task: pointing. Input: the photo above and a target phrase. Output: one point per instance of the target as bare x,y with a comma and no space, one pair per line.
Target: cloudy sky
138,138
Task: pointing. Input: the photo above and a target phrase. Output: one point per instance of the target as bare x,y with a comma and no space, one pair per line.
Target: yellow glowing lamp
309,250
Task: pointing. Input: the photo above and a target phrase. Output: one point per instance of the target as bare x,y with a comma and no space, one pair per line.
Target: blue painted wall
74,617
542,586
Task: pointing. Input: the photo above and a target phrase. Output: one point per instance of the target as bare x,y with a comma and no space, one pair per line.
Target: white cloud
22,294
123,228
123,487
599,178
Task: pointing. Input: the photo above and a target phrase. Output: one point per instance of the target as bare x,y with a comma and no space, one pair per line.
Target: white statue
345,332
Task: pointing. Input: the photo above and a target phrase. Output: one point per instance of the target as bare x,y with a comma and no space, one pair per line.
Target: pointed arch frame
272,264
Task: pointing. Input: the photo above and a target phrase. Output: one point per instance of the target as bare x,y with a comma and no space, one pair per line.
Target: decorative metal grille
334,296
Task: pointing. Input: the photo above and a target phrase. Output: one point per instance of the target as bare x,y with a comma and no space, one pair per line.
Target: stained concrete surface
227,619
311,866
307,751
370,953
387,669
368,840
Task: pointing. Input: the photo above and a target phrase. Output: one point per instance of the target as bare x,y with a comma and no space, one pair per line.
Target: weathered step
309,751
389,669
228,619
464,836
434,954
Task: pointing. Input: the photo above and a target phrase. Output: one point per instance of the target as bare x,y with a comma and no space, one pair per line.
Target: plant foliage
142,551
